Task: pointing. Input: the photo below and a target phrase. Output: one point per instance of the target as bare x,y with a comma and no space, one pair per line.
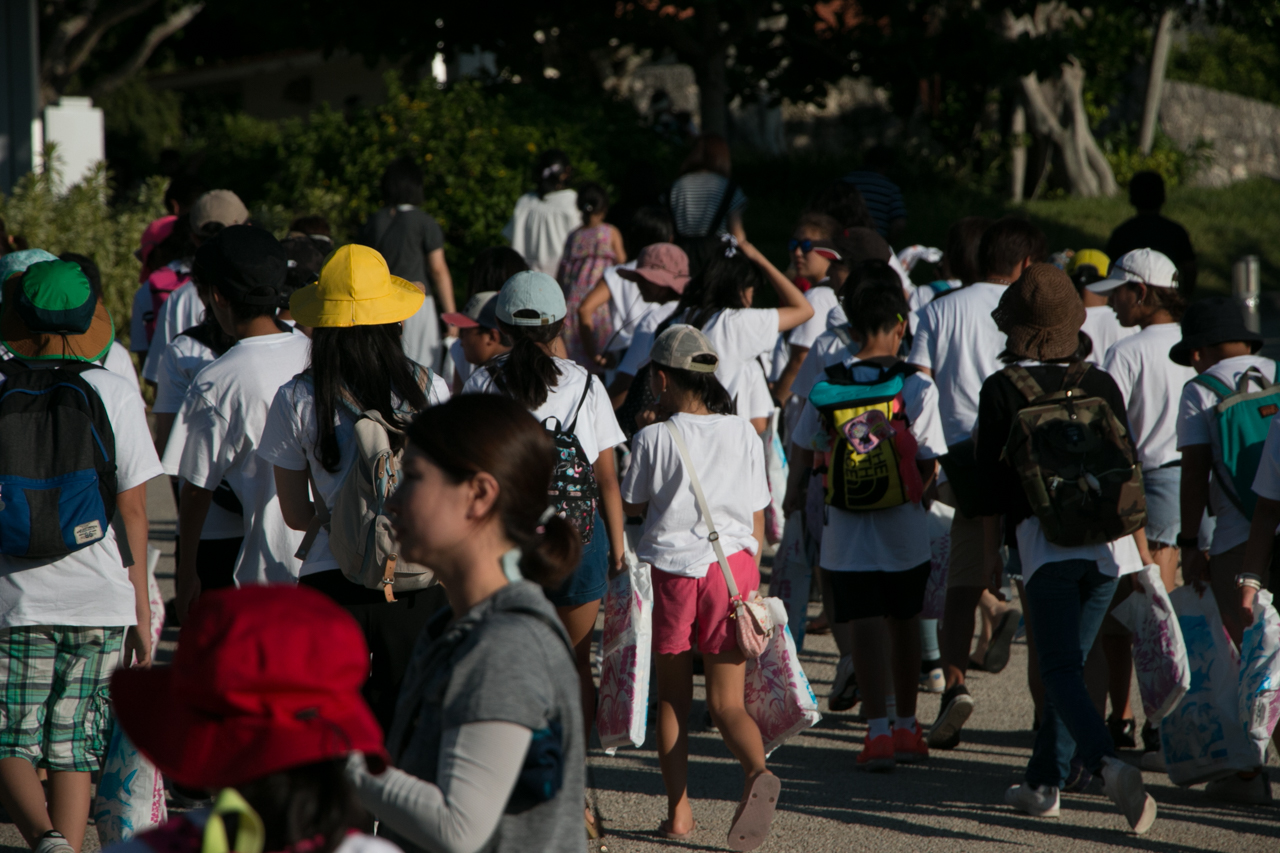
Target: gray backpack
360,534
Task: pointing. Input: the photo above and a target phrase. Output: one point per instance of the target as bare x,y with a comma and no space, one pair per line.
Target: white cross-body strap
712,534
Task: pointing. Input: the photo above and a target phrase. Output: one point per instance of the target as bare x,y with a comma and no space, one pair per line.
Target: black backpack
573,490
57,461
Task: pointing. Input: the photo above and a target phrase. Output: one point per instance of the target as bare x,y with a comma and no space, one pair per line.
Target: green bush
1231,61
476,146
81,220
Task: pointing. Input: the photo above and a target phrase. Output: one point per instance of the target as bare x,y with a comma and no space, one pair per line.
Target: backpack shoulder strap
1214,384
1024,382
1075,374
585,391
1253,374
844,334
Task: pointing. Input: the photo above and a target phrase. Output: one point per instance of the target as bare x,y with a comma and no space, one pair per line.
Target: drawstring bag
751,615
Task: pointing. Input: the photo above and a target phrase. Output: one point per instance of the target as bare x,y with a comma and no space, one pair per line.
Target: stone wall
1245,133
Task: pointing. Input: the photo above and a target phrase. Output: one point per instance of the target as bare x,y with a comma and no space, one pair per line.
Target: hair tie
546,516
731,245
553,169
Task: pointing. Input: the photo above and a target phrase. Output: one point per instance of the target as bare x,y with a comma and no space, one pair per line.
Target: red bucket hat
265,678
663,264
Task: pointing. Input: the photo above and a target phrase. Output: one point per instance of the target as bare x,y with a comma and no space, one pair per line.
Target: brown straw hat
1041,314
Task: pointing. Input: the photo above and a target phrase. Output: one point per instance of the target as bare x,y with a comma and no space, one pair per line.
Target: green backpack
1244,418
1075,461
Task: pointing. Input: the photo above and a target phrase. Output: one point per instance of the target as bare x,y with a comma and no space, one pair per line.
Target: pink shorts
680,604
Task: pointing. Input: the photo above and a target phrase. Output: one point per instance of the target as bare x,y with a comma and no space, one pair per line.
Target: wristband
1192,541
1248,579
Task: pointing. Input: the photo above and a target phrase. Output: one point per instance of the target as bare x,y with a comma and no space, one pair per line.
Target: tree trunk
1155,82
1018,155
713,93
1088,173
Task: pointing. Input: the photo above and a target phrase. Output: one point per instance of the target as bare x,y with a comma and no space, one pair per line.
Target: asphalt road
952,804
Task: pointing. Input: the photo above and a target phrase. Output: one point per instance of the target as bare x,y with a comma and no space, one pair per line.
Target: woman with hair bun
487,736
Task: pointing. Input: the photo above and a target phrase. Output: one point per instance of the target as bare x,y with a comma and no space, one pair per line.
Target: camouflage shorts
54,706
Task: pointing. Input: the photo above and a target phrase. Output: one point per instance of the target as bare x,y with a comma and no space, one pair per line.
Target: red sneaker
909,745
877,754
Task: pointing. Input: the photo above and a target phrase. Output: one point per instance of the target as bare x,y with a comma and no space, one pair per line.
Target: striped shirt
695,198
883,198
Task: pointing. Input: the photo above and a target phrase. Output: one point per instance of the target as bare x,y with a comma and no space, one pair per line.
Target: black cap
1212,321
245,263
305,261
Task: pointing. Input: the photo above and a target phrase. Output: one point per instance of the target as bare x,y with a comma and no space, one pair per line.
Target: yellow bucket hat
355,289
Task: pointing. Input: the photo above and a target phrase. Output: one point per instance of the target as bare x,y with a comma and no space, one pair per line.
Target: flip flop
676,836
997,657
751,823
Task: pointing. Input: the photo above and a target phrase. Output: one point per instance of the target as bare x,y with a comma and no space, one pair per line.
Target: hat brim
201,750
660,278
462,321
1180,353
1106,285
402,301
92,345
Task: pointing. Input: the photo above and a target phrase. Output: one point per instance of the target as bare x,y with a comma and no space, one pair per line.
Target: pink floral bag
1159,653
751,615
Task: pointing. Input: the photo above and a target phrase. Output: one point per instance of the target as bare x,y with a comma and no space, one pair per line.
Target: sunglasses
807,246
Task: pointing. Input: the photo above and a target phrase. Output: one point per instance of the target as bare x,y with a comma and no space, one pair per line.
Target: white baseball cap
532,292
1141,266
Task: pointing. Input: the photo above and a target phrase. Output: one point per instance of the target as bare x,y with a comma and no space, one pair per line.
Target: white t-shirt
740,335
289,440
1149,380
886,540
626,306
1103,328
182,360
749,388
90,587
823,299
1266,483
811,371
642,342
958,341
215,437
539,227
730,462
1198,424
119,363
182,310
920,295
597,428
1114,559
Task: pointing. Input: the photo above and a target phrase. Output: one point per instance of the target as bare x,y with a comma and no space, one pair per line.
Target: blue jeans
1068,601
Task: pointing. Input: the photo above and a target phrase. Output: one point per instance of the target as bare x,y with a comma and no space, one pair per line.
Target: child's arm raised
794,309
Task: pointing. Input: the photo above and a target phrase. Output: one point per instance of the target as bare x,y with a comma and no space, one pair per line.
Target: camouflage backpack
1075,461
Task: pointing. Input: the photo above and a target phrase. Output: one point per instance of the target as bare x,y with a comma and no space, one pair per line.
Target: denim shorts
1164,509
590,580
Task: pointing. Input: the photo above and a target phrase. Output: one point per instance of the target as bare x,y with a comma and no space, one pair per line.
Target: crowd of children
382,529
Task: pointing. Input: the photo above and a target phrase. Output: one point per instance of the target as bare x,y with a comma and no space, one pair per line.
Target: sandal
592,821
755,813
663,832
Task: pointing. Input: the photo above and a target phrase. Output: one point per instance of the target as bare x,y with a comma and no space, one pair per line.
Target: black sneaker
957,706
1122,732
1150,738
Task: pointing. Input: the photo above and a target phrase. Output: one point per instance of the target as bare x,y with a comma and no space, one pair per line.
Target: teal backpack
1244,418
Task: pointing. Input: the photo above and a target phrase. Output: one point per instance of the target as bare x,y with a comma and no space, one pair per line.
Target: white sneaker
1037,802
1123,784
53,842
844,688
933,681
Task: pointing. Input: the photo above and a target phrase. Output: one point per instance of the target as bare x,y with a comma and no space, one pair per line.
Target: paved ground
953,804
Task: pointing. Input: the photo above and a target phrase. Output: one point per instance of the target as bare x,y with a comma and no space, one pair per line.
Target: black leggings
216,562
391,631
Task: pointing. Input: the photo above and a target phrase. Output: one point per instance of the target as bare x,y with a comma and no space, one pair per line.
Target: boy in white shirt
877,560
958,345
72,596
220,425
1221,349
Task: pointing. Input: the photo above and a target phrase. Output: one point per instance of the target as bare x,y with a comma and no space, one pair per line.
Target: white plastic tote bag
1202,738
1259,693
935,592
778,695
1159,653
626,648
793,575
775,469
130,793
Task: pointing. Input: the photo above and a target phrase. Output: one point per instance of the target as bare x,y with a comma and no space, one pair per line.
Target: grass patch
1225,224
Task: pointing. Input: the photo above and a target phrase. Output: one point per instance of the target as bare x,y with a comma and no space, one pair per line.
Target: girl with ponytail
572,404
490,711
690,592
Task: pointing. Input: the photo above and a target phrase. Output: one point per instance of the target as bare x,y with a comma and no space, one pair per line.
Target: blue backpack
1244,418
57,461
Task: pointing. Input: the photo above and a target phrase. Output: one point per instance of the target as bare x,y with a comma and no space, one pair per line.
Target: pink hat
662,264
155,234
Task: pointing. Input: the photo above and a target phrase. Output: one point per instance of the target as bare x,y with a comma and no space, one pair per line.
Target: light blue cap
531,291
16,262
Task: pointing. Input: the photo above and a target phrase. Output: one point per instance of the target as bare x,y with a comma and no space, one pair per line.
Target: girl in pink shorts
691,599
